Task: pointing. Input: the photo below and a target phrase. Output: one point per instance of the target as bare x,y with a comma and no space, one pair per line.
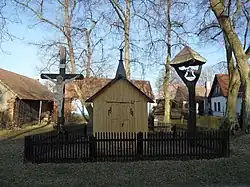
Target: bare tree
169,33
232,39
74,29
5,21
124,17
212,29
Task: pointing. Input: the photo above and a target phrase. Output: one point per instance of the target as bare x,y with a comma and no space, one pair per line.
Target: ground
202,121
218,172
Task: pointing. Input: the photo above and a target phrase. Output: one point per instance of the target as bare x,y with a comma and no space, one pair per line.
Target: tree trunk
72,58
89,53
220,12
90,112
166,92
233,90
127,38
233,87
246,102
89,108
167,66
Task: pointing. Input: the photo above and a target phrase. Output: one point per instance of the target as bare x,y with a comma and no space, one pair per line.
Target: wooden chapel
120,106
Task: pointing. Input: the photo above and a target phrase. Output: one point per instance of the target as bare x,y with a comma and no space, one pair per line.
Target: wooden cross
61,79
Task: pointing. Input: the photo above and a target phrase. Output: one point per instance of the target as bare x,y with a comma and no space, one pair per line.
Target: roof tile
223,82
92,85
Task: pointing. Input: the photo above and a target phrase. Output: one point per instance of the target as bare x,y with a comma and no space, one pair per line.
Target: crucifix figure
59,89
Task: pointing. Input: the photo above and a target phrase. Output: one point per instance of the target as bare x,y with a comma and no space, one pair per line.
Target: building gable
219,86
118,79
216,91
121,92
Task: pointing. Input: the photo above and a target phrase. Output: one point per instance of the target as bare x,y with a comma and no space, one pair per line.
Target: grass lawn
20,133
219,172
34,129
211,122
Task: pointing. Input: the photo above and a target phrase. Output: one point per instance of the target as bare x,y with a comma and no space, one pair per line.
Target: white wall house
218,96
219,105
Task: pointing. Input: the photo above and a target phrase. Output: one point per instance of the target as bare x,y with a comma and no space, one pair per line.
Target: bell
189,74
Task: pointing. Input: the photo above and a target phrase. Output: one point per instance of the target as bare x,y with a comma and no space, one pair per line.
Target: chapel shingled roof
24,87
187,54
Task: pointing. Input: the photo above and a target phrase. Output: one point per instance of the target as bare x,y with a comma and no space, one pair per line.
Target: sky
21,57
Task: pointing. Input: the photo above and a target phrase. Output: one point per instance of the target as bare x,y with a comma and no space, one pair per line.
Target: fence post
226,144
85,130
92,148
139,144
66,136
174,129
28,149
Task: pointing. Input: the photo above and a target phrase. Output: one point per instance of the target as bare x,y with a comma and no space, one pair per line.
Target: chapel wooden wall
120,108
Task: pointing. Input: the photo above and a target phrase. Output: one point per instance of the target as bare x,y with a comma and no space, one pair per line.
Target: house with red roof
218,96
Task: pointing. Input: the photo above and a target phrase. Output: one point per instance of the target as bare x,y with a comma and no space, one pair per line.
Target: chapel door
127,117
121,117
114,118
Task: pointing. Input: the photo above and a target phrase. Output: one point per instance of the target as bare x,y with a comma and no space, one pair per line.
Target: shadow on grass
70,127
25,132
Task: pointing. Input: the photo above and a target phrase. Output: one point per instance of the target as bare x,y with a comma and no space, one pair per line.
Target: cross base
60,125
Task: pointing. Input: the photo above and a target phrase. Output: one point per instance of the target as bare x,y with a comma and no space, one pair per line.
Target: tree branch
236,13
72,10
216,35
118,10
207,27
39,15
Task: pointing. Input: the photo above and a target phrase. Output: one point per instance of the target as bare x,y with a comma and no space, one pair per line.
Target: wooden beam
122,102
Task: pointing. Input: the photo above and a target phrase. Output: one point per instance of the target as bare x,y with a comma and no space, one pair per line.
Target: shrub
209,121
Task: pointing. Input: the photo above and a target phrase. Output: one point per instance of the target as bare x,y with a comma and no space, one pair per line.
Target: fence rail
76,147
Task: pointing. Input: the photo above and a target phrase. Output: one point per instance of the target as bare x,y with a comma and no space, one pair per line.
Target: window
218,106
217,90
215,109
173,105
186,105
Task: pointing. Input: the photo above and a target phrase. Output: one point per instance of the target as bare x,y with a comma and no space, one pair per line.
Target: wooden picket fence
75,147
